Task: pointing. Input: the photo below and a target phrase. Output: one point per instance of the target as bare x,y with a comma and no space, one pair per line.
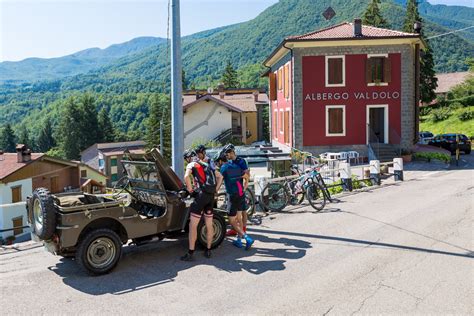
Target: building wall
65,177
9,210
90,157
282,105
305,115
96,176
252,126
205,121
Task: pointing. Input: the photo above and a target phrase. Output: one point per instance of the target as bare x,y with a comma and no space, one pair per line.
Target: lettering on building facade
328,96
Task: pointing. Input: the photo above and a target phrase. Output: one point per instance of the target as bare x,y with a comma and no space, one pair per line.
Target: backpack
205,176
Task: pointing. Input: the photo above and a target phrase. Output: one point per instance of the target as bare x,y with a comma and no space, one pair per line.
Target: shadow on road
155,264
467,254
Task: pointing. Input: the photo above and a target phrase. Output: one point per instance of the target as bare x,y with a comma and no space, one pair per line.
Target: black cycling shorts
203,203
235,203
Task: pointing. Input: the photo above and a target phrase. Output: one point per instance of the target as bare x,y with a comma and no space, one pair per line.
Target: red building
344,88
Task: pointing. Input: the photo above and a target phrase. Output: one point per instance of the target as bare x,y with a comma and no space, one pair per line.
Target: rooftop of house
116,146
244,100
9,163
345,30
446,81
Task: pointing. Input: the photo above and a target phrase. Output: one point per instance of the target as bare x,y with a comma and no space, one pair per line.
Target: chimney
417,27
255,96
23,153
220,88
357,27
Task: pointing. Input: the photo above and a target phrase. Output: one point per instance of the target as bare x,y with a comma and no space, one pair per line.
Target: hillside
124,85
33,69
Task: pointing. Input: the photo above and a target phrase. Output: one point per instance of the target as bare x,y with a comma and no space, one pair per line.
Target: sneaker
231,232
187,257
249,243
207,253
245,229
237,243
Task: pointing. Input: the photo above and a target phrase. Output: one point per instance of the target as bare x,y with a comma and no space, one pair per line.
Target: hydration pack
205,176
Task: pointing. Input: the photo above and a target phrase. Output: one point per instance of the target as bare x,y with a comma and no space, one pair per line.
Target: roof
116,145
235,102
9,163
346,31
340,32
446,81
121,152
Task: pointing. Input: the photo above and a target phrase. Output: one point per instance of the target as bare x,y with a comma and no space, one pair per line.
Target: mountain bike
222,201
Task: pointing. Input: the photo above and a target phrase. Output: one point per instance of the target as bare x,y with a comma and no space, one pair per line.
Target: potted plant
407,155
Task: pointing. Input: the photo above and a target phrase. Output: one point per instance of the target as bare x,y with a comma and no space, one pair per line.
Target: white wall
8,211
199,113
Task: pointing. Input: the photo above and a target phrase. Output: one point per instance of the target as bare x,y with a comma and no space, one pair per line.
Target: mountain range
27,88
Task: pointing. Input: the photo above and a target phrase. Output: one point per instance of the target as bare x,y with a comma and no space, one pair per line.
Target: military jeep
149,203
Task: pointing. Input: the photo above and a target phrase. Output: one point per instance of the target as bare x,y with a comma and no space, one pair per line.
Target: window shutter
387,70
273,92
279,79
287,127
368,70
338,71
335,121
287,82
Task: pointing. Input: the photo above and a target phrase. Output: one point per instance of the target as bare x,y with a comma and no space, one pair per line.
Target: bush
426,110
337,188
433,155
440,114
455,106
466,115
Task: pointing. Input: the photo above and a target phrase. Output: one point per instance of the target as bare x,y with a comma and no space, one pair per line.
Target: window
17,225
280,79
287,127
281,121
16,194
335,71
114,177
113,162
286,88
273,86
275,123
378,70
335,120
83,173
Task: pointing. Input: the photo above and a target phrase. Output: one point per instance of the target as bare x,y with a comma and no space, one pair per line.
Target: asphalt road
403,248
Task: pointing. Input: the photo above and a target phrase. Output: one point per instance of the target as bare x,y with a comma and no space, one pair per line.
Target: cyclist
235,179
203,192
201,153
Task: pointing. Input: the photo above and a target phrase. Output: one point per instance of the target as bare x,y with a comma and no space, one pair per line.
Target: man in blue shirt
233,174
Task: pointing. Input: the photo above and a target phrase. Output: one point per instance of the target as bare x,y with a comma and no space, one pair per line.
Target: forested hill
34,69
120,85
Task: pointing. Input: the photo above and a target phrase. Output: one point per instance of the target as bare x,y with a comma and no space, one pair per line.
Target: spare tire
44,214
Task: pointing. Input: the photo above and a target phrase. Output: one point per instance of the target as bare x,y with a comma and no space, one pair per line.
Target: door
54,184
376,125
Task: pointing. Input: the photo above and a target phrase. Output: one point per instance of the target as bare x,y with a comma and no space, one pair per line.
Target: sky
54,28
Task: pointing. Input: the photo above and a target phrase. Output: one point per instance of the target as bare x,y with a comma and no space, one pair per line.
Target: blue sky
53,28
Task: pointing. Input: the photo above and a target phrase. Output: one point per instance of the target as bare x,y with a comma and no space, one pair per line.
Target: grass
451,125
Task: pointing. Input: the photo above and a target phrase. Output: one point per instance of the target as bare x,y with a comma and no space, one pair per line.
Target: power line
455,31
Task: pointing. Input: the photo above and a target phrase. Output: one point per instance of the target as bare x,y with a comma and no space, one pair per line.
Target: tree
160,110
89,125
24,136
7,139
184,80
106,128
373,16
229,77
428,81
70,134
46,140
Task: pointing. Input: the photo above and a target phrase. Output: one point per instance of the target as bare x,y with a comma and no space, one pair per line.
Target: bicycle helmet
189,154
200,149
228,148
220,156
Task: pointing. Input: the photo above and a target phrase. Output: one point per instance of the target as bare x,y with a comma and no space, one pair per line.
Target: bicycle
222,201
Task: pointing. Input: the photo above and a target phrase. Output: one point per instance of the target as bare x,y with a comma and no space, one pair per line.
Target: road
402,248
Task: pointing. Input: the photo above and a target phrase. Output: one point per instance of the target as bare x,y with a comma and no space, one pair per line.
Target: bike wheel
296,198
249,202
315,196
275,197
220,203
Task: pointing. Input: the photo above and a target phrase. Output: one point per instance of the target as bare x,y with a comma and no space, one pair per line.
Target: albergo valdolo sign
329,96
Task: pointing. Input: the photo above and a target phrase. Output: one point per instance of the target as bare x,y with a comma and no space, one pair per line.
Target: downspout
417,93
293,138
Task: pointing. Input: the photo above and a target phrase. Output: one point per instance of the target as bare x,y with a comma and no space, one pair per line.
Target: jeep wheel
219,226
99,251
43,214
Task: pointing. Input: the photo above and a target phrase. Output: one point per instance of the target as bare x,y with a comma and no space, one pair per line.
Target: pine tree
373,16
229,77
184,80
7,139
46,140
89,125
159,111
106,128
24,136
70,133
428,81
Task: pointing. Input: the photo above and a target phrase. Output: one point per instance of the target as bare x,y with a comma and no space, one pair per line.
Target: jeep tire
43,214
99,251
219,231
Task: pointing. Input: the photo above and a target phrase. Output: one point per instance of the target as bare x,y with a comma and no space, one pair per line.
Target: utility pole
177,136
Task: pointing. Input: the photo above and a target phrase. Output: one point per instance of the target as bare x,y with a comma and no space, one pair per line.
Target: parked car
425,137
448,142
93,228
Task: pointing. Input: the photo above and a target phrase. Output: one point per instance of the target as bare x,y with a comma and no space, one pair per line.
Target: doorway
377,124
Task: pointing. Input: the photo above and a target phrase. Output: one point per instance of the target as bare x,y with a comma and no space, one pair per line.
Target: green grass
451,125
